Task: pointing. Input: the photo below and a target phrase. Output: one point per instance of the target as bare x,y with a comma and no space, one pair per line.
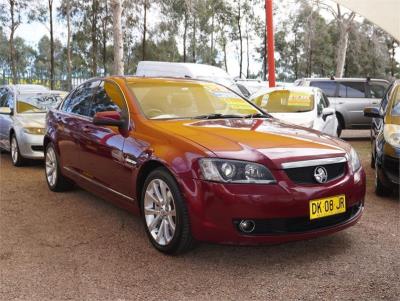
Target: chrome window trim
316,162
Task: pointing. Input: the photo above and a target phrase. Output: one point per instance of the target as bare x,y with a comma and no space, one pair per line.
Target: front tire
56,181
16,157
164,213
380,188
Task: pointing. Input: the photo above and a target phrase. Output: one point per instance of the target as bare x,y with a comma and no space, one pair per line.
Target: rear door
353,99
72,119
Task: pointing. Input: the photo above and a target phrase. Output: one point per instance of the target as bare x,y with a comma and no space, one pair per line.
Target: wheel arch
340,119
144,171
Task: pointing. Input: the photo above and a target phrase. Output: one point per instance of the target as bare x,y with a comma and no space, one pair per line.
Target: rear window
329,87
352,89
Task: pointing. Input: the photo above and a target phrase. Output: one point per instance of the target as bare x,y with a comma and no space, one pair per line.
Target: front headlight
354,160
391,133
231,171
34,131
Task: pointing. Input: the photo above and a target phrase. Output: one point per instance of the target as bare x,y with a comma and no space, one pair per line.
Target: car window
377,90
329,87
396,103
385,100
3,97
321,104
36,102
80,100
108,97
352,89
326,100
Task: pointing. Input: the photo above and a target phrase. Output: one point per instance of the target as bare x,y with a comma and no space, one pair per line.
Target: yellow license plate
327,206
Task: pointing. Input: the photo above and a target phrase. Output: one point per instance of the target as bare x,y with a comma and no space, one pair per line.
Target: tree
11,20
118,38
344,22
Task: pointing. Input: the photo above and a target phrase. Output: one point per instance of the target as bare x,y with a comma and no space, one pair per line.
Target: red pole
270,42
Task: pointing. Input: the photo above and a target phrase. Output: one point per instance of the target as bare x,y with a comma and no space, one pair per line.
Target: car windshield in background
285,101
29,103
172,100
396,104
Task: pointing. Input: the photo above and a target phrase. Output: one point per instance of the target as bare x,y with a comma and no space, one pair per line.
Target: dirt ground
74,246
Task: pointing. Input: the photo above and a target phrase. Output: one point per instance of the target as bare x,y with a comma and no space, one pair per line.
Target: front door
353,100
102,146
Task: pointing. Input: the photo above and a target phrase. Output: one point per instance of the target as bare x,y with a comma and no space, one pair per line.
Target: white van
187,70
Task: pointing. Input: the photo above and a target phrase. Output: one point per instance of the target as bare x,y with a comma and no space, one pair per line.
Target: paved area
74,246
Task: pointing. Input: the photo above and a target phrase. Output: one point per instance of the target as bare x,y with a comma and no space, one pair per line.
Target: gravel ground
74,246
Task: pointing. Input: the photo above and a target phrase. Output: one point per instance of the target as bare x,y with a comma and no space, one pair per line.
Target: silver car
22,119
349,97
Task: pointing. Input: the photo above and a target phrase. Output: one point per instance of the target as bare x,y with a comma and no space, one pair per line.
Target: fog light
247,226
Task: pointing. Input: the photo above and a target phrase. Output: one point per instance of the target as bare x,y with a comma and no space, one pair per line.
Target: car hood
31,120
257,139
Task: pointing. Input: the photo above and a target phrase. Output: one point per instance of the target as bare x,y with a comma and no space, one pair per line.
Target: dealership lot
76,246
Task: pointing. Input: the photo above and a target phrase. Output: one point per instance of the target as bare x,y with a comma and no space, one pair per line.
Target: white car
304,106
22,120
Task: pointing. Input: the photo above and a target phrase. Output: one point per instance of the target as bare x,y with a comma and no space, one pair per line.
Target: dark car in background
385,140
349,97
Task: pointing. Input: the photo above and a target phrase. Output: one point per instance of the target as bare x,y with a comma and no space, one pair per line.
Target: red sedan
200,163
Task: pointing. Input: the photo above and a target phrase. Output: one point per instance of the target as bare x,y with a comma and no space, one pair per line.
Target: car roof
27,88
345,79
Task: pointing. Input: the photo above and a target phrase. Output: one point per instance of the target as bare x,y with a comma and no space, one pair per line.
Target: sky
33,32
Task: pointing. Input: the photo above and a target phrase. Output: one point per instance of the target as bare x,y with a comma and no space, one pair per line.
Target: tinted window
377,90
108,97
321,104
3,97
80,100
329,87
352,89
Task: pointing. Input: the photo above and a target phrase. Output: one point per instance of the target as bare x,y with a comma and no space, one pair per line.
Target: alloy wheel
51,166
14,149
159,211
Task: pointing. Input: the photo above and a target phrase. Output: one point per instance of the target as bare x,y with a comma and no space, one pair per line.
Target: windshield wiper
217,116
257,115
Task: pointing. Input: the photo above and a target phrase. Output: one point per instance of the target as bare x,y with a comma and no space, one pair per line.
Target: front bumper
215,208
31,146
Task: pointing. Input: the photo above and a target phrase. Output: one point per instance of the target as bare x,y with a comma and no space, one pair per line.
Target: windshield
173,100
36,103
396,104
285,101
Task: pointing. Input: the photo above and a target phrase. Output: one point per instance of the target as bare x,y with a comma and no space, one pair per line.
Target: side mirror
372,112
327,112
108,118
5,111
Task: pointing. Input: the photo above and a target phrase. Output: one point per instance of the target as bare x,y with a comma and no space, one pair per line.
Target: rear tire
56,181
16,157
164,214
